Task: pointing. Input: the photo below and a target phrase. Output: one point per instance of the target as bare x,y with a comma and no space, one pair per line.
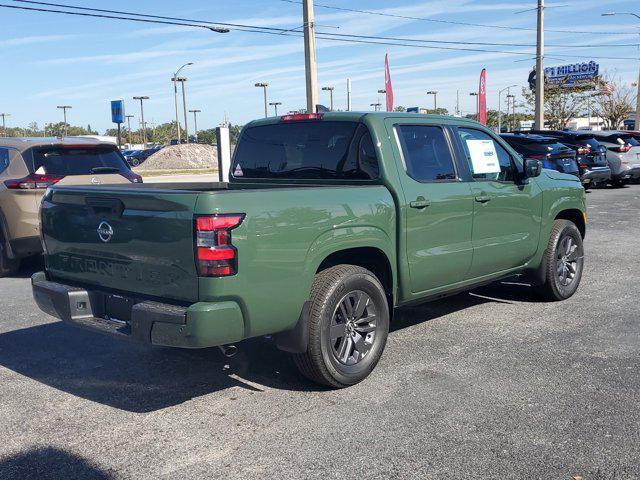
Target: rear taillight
33,181
215,254
132,177
296,117
621,149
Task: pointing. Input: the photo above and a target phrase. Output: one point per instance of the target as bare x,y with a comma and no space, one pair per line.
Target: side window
4,159
487,159
426,153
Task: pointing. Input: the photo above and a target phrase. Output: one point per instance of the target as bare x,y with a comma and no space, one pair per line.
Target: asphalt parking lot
487,384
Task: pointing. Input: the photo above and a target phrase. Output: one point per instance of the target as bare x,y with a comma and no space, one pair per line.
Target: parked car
137,157
553,154
591,156
623,155
328,223
28,167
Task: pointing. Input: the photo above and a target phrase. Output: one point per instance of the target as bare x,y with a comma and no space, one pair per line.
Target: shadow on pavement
49,463
29,266
141,378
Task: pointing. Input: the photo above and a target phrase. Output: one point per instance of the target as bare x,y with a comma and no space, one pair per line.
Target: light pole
264,86
512,99
637,125
175,96
275,106
475,94
64,109
195,123
435,99
539,111
129,117
376,106
500,107
182,81
4,128
144,125
330,90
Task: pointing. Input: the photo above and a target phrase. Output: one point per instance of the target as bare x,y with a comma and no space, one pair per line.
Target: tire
341,361
135,162
563,262
618,183
8,266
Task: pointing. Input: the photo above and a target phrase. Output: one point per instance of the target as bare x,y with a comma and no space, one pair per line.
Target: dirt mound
182,157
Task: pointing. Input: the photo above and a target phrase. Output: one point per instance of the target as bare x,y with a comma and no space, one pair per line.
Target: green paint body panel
291,227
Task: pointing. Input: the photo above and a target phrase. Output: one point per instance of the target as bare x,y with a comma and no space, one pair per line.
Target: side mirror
532,167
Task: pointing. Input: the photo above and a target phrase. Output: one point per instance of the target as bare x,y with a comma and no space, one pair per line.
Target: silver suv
623,155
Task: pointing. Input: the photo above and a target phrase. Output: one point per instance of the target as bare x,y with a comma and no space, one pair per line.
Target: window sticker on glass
483,156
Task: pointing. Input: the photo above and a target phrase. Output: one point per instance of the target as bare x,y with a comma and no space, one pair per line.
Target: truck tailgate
133,241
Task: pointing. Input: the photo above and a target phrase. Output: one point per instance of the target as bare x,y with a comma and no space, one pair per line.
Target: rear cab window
4,159
325,150
65,160
487,159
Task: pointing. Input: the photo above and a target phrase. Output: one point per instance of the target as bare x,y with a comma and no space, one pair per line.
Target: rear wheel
348,326
618,183
563,262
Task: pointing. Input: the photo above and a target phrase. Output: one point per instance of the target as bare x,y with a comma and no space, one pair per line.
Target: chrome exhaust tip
228,350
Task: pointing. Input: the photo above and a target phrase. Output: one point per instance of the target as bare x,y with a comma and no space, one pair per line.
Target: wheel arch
575,216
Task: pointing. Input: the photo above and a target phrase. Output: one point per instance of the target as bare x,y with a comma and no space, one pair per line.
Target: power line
452,22
196,23
321,35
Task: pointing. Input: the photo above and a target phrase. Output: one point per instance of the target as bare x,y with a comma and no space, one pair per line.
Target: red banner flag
482,98
387,84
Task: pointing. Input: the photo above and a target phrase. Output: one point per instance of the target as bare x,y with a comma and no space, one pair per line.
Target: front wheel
348,326
563,262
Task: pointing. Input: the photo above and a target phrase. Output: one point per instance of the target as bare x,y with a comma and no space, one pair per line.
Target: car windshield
74,160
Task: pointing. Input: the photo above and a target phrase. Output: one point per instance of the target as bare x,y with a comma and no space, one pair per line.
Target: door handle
483,198
419,203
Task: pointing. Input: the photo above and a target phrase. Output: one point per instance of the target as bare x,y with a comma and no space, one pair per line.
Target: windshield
306,150
65,160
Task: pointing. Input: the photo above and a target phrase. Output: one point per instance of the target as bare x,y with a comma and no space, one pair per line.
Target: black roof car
554,155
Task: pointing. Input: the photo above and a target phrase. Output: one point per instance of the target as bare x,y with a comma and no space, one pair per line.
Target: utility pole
144,125
195,123
458,103
64,109
175,96
475,94
500,107
376,106
330,90
129,117
510,99
311,68
348,94
275,106
4,127
264,86
539,115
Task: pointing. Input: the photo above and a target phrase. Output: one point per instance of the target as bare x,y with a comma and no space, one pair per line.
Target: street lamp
500,108
330,90
4,129
275,106
195,122
182,81
144,126
64,109
376,106
129,117
264,86
435,98
610,14
475,94
175,96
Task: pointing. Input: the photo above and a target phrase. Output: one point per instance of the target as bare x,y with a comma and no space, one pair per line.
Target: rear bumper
596,174
632,173
199,325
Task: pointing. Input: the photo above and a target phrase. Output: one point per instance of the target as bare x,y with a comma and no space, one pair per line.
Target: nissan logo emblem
105,232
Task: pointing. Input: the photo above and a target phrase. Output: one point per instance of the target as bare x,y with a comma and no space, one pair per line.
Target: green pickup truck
328,224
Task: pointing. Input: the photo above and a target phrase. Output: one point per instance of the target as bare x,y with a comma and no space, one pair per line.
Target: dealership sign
575,74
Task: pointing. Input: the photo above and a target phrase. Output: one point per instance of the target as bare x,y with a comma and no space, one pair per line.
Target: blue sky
52,59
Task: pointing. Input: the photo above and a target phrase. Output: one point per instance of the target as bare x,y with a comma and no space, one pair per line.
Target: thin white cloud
35,39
